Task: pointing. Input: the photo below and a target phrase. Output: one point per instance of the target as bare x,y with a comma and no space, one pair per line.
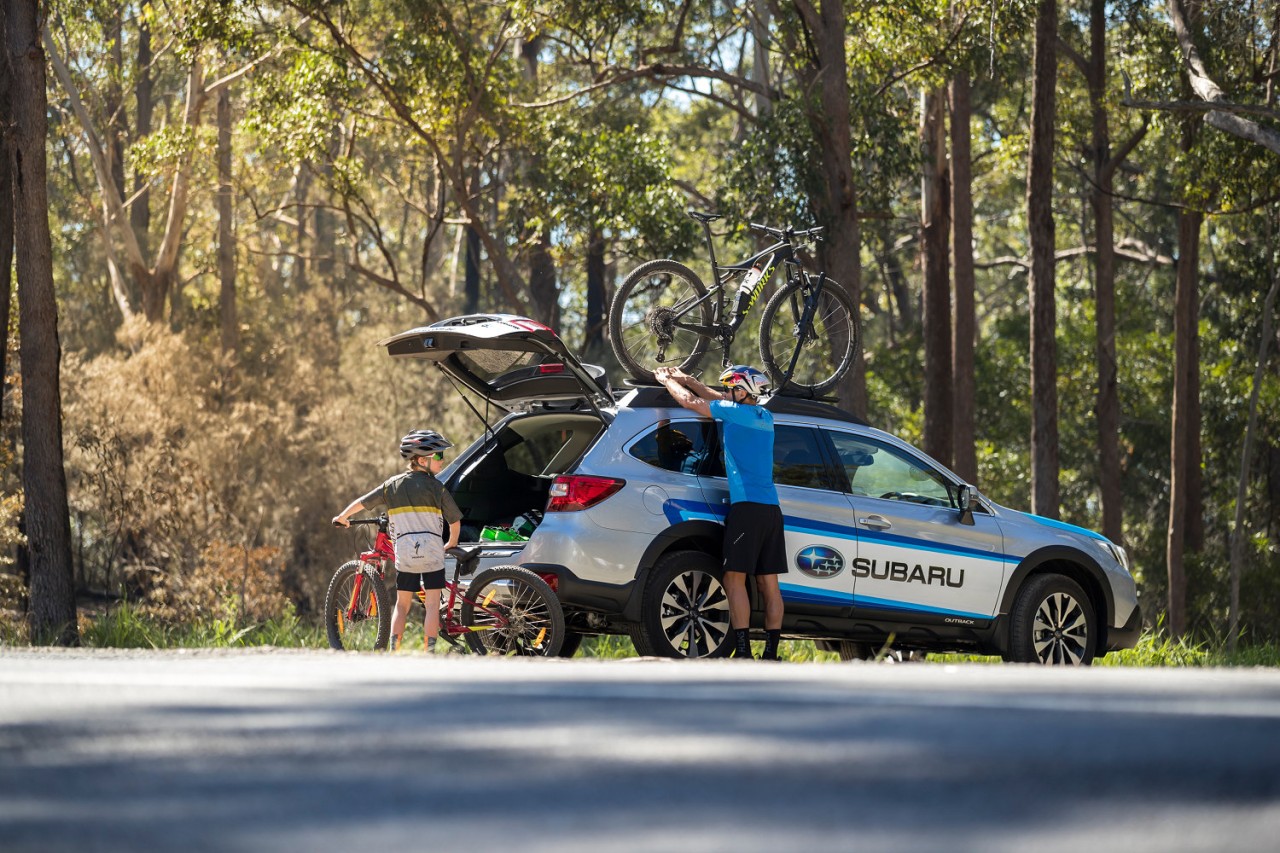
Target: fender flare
1096,577
707,536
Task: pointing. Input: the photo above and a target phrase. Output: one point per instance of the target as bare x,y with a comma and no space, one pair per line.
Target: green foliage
370,136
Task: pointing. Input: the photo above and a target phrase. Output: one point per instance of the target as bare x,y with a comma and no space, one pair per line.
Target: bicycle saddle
702,216
467,558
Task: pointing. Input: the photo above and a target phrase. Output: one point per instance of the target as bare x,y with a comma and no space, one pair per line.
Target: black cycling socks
771,639
742,643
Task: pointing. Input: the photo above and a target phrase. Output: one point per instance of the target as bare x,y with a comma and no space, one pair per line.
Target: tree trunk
838,205
226,229
1238,533
47,523
935,231
471,274
1194,543
1044,357
1180,443
6,221
1108,403
302,208
113,97
596,303
140,211
964,330
543,292
760,55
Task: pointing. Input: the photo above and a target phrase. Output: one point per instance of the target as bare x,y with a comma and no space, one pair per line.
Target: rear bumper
578,594
1126,636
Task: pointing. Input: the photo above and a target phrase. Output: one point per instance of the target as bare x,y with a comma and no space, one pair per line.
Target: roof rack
655,396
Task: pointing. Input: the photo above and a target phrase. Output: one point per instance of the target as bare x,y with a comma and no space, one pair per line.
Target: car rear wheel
1053,623
685,611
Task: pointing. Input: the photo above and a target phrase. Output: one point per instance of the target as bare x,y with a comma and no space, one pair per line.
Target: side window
678,446
878,471
798,459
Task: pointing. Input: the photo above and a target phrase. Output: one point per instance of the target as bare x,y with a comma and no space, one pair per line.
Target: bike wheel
823,352
357,620
645,318
512,611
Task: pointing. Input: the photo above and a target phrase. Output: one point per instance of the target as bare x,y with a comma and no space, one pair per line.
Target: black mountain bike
664,316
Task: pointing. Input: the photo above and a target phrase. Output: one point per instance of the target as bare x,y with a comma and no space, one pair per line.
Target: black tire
685,611
535,619
829,349
371,625
1052,622
643,312
572,642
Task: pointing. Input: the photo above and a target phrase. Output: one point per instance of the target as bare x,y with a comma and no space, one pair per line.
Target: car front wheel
1052,622
685,611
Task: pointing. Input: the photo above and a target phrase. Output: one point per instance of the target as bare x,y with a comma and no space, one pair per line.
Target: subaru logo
819,561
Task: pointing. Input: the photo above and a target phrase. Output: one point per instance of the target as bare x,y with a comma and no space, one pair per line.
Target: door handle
879,522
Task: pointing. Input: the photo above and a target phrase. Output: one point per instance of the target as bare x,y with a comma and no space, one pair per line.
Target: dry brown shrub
13,623
172,453
230,581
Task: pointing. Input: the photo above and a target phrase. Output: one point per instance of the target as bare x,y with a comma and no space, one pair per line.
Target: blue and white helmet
743,376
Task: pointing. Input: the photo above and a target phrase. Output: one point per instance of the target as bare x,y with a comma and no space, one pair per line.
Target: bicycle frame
781,253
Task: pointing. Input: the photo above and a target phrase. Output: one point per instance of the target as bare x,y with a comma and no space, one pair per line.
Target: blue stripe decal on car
935,547
1062,525
871,603
676,511
811,595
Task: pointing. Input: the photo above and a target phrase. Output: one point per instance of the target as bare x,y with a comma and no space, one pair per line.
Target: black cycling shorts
414,581
753,540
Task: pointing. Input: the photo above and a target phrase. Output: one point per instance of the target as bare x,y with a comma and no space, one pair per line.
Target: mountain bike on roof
663,315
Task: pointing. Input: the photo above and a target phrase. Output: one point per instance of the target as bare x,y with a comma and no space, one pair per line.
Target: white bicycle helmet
423,442
743,376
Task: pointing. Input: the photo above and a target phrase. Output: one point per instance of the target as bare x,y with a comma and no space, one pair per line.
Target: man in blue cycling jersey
753,532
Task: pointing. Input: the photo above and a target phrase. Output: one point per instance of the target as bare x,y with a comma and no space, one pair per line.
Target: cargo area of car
501,483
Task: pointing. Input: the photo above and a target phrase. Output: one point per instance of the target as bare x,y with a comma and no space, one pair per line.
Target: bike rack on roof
657,397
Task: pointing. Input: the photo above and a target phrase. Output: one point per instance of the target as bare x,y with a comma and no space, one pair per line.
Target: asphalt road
283,750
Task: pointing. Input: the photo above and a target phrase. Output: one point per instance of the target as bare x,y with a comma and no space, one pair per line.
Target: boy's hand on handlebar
339,521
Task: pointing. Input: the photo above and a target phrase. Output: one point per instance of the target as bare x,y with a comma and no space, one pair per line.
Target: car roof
653,396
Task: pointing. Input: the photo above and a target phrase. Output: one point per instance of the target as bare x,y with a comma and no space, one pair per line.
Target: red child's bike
504,610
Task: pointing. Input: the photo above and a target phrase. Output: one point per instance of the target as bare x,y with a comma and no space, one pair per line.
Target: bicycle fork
805,324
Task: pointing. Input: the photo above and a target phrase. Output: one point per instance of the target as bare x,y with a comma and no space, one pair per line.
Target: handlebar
788,234
381,521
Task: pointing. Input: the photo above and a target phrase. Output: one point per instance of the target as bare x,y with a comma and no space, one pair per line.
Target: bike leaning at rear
663,315
503,610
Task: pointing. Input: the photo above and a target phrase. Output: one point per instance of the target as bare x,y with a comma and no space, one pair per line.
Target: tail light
571,492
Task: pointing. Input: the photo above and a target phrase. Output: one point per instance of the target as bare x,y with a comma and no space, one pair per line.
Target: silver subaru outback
623,494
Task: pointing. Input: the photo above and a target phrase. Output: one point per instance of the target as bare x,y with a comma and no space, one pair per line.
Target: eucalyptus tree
192,66
46,522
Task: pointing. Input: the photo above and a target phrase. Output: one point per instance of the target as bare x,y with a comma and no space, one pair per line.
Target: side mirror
964,499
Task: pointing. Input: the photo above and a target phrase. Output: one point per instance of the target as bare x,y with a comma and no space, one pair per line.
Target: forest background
1059,219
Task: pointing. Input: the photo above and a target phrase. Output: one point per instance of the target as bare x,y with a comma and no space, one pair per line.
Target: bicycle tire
642,310
374,610
834,341
536,625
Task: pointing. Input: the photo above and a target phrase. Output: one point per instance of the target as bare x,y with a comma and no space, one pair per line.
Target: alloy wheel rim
1060,632
695,614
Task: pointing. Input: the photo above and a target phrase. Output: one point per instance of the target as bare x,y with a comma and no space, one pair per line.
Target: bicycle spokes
810,336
